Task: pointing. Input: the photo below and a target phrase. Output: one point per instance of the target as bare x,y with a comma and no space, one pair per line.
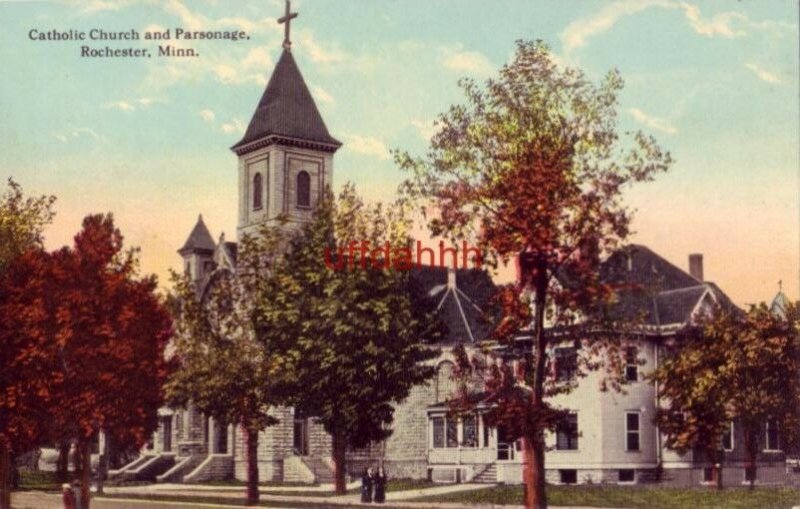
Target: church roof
199,240
780,305
287,110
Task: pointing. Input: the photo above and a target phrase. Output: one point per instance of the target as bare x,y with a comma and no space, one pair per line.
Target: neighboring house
285,160
611,437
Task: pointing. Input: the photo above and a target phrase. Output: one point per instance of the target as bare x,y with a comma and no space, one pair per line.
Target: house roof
655,292
461,299
199,239
287,110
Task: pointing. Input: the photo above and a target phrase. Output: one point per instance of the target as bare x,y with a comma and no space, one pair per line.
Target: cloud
79,132
719,24
472,62
425,129
235,125
320,94
653,122
121,105
763,74
728,24
328,54
366,145
578,31
207,115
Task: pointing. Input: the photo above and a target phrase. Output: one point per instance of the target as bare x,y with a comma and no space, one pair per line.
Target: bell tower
286,154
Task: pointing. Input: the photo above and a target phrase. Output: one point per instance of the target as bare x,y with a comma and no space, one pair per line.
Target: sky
716,82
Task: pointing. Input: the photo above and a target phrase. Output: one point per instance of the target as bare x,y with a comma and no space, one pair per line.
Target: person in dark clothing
366,486
68,497
380,486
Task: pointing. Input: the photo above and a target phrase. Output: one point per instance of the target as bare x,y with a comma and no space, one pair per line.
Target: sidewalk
393,498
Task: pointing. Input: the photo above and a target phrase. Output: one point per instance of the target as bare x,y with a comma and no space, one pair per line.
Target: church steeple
286,154
286,113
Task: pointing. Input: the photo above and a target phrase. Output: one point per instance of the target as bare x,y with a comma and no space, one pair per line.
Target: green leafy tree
223,370
22,222
531,166
351,339
732,367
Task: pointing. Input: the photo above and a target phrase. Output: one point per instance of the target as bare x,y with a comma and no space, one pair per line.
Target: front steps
488,475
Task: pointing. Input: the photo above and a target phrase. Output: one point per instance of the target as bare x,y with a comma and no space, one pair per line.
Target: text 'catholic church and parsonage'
164,50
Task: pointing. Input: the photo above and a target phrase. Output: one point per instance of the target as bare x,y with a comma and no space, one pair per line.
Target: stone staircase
183,466
296,471
323,473
487,475
214,467
148,469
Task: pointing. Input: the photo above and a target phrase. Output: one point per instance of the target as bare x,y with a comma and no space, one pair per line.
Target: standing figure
366,486
68,496
380,486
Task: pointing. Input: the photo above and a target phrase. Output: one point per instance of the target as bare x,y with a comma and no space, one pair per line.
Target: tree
732,367
24,376
98,330
351,338
223,369
531,166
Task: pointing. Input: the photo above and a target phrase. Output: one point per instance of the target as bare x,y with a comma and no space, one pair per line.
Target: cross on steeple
287,20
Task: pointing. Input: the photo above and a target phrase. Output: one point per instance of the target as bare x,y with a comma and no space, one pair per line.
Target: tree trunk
62,464
750,460
534,450
102,464
5,470
85,449
77,459
339,458
716,456
251,437
533,474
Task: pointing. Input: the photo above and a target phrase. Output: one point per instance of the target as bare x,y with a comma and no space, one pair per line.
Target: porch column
212,435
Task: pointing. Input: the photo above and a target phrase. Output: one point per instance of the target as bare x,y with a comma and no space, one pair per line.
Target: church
285,160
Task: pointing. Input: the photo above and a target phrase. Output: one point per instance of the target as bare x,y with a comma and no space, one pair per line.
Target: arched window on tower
258,192
303,189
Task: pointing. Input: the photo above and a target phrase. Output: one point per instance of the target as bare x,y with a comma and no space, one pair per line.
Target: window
567,434
750,474
709,474
631,364
438,432
485,433
452,432
772,439
303,189
470,424
568,476
566,360
632,431
258,192
727,437
627,475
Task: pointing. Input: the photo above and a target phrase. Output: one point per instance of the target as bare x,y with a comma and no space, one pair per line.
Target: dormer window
303,189
258,192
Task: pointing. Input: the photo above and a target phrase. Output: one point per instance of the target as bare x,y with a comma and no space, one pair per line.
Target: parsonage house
285,160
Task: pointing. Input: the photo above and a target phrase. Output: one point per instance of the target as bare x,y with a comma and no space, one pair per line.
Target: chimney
696,266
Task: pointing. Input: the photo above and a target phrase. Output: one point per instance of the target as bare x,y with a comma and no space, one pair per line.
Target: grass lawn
392,485
635,497
40,481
